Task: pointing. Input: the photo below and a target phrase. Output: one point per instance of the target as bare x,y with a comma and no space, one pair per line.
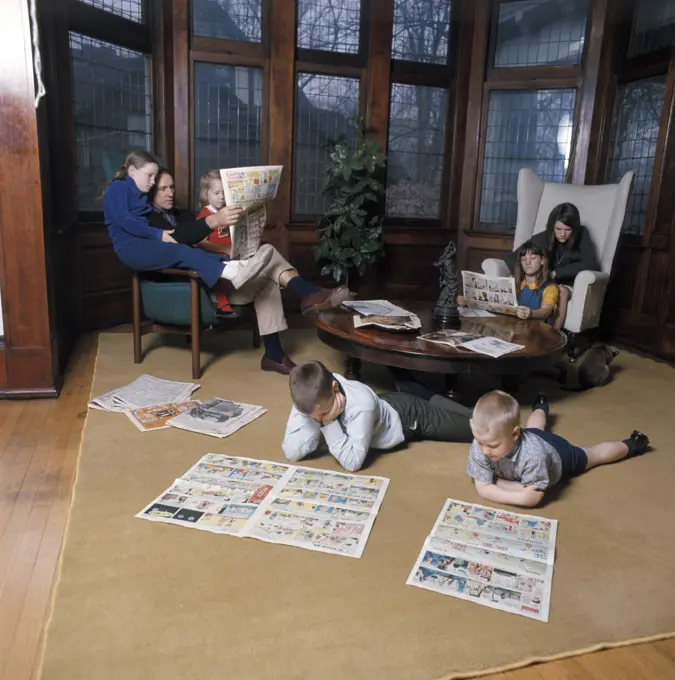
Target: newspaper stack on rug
251,189
496,558
320,510
146,390
217,417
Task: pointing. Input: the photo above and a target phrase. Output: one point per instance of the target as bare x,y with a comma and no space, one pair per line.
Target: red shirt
219,236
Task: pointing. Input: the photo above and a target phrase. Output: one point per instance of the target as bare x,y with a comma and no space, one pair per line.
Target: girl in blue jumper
537,294
145,248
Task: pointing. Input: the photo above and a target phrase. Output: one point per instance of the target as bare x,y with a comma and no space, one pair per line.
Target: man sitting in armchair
263,290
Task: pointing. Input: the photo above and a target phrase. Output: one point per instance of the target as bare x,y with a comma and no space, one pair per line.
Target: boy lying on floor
351,418
515,466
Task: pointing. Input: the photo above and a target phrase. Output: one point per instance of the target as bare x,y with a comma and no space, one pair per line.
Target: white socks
231,269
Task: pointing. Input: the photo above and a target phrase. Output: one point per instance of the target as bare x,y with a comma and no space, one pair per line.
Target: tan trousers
264,292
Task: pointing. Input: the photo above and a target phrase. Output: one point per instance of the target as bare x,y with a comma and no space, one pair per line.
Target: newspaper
491,294
146,390
217,417
448,337
151,418
493,347
389,323
250,188
376,308
319,510
496,558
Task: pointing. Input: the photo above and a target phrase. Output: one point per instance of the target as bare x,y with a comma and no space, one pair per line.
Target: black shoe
637,444
541,402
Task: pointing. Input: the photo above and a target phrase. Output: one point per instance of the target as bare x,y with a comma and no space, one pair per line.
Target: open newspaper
493,347
151,418
496,558
249,188
146,390
217,417
376,308
320,510
491,294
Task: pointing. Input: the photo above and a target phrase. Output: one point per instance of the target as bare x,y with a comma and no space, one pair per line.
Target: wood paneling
23,269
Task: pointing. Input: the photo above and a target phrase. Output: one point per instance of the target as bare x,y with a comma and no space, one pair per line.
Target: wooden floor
39,444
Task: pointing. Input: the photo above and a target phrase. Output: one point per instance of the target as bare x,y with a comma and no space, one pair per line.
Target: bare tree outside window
416,133
421,30
525,129
129,9
541,32
112,112
329,25
227,118
239,20
654,26
324,106
634,137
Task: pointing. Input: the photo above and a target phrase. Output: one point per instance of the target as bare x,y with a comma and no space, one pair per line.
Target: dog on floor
591,369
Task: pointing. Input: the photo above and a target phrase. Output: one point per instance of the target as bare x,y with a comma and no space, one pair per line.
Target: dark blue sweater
126,212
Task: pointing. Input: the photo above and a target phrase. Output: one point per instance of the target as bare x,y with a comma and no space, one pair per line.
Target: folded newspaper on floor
493,347
330,512
146,390
217,417
493,557
249,188
492,294
151,418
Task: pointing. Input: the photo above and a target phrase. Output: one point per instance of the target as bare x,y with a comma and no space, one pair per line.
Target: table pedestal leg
510,383
353,368
451,382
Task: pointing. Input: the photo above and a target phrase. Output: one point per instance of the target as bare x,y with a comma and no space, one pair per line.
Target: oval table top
543,344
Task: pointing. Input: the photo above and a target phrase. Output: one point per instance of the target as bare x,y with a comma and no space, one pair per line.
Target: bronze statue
446,306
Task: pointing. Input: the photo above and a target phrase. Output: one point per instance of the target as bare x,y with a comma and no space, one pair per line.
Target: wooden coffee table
543,345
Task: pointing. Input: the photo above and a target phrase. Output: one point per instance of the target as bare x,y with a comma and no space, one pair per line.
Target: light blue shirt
367,421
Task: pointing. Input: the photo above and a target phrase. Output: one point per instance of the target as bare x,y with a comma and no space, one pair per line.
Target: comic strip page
491,294
496,558
304,507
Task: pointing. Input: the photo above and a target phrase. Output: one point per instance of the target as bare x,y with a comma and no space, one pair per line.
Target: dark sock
301,287
541,402
637,444
273,348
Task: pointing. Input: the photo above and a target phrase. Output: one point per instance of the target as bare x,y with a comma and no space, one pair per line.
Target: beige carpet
140,600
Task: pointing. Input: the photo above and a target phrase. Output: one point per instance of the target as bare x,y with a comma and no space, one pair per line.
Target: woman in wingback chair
263,289
570,250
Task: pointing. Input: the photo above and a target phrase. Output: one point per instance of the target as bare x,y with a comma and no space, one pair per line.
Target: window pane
330,25
654,26
525,129
324,106
112,110
634,135
228,19
228,118
421,30
129,9
541,32
416,134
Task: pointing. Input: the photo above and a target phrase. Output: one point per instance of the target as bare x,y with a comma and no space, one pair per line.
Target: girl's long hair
137,158
568,214
542,274
205,184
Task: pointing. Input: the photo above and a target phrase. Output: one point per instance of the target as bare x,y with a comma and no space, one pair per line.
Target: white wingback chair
602,210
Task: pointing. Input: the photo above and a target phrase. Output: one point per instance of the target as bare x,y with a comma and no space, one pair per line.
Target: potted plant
351,229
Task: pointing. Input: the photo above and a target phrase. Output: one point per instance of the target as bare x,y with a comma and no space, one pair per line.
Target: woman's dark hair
568,214
519,274
153,192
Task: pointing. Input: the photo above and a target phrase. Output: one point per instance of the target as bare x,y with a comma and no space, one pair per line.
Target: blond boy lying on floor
515,466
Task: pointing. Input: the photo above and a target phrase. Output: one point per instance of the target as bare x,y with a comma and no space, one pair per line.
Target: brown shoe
284,367
326,298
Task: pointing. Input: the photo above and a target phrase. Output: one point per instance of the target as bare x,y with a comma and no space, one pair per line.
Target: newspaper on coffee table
146,390
494,294
376,308
319,510
493,347
496,558
217,417
249,188
388,323
449,337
